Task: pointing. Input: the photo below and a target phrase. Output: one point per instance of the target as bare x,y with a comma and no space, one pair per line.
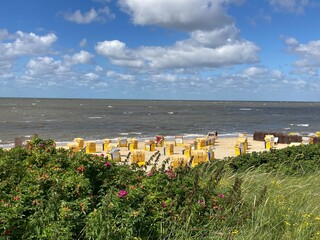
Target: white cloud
315,86
114,49
119,54
214,38
188,56
54,70
20,45
48,65
251,79
213,41
57,71
82,57
252,82
120,76
83,43
4,34
165,78
216,48
7,76
276,74
27,44
46,72
98,69
91,76
101,15
43,66
310,49
187,15
295,83
5,66
294,6
254,71
309,56
291,41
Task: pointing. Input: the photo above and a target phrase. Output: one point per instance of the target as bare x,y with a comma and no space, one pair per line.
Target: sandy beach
223,147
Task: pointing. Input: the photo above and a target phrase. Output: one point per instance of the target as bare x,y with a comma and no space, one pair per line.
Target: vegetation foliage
49,193
291,160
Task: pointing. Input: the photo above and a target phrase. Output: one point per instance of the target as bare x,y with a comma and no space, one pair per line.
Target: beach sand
224,147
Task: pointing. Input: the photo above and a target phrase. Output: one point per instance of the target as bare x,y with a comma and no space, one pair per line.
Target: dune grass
290,209
277,206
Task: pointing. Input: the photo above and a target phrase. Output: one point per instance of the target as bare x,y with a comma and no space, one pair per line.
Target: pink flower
101,155
108,164
16,198
163,204
201,203
170,174
220,195
80,169
122,193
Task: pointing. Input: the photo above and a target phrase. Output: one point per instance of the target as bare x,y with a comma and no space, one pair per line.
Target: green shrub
49,193
291,160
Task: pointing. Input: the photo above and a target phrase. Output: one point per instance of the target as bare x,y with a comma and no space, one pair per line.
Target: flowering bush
49,193
122,193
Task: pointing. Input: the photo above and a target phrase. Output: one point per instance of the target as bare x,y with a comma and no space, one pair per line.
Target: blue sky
161,49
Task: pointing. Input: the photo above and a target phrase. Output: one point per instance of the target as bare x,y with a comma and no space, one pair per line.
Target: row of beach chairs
192,152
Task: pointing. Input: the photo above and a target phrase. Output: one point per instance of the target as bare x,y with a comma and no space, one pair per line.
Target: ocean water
64,119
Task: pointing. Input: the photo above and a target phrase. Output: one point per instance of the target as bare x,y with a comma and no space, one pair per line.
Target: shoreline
11,143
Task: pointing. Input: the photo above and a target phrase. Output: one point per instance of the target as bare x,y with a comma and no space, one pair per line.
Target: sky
261,50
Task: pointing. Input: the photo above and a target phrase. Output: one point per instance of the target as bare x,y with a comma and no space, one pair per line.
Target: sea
97,119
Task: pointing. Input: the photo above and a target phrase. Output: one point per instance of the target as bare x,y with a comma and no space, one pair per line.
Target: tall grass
289,208
290,211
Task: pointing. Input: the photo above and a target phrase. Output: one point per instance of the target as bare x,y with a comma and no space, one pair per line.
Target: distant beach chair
80,142
178,140
114,154
73,146
122,142
90,147
168,149
199,156
212,134
138,157
133,144
179,161
268,142
149,145
159,140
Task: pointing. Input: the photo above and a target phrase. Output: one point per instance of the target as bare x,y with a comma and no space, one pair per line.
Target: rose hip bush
49,193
